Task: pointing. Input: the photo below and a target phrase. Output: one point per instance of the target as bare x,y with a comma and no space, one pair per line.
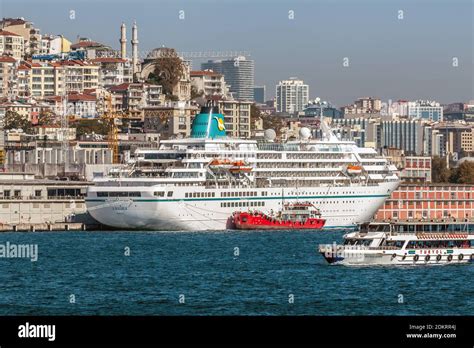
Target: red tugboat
299,215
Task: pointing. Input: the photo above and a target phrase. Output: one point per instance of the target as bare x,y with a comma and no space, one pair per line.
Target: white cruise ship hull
342,207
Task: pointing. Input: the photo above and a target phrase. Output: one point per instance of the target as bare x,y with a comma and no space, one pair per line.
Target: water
202,266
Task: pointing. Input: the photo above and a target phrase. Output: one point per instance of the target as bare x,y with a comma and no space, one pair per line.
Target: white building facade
291,95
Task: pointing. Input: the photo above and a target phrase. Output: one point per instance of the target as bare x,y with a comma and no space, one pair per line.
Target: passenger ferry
406,243
196,183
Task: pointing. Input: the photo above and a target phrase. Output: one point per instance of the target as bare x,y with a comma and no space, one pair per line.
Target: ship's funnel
209,123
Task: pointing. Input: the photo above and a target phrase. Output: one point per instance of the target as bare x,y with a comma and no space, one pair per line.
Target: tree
439,170
89,126
169,69
463,174
13,120
269,121
195,93
46,118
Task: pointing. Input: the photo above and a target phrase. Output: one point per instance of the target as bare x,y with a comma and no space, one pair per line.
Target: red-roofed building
93,49
11,44
133,97
8,77
24,79
31,37
113,71
78,105
208,83
48,79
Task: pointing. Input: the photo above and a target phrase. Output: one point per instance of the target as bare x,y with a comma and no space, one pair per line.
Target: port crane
114,120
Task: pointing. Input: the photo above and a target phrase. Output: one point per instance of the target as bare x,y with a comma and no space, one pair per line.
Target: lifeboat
218,163
354,169
293,216
240,167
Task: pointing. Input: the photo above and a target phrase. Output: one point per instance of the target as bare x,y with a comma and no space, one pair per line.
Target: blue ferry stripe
237,198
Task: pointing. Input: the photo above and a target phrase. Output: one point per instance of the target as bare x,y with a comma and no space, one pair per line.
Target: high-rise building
214,65
291,95
259,94
406,135
239,74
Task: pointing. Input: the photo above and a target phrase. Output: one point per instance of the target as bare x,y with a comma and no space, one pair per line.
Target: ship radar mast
327,133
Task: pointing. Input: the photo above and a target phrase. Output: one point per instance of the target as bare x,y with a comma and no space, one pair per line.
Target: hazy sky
388,57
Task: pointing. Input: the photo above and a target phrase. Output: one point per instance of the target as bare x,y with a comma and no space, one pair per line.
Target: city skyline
387,57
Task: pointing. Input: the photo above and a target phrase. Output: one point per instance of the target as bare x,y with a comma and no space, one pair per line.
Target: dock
48,227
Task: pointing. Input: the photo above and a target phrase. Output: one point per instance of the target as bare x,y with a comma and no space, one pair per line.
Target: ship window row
199,194
300,165
162,194
152,156
242,194
119,194
269,156
298,174
363,242
314,156
242,204
440,244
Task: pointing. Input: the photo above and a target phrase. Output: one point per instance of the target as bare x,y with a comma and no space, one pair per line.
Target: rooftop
7,33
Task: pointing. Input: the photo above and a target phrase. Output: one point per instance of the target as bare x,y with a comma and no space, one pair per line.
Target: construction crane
113,120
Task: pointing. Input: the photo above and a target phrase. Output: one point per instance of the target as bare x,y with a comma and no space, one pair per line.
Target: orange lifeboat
239,167
220,163
354,169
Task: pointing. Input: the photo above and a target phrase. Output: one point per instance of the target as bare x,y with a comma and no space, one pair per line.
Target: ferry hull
408,258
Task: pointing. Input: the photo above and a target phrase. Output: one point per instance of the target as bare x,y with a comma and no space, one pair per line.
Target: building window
6,193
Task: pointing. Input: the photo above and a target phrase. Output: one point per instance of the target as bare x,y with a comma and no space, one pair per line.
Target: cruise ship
197,183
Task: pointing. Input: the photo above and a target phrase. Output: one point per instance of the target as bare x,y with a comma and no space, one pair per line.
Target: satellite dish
317,100
305,133
269,135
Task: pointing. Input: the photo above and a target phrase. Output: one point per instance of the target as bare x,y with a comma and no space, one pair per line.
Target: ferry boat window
159,194
170,193
102,194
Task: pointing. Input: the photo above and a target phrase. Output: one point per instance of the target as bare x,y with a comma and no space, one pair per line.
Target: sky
395,49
